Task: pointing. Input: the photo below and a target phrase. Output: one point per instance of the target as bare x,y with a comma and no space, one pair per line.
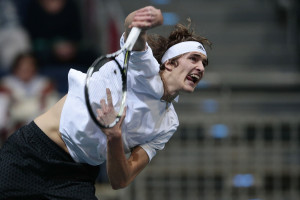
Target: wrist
114,136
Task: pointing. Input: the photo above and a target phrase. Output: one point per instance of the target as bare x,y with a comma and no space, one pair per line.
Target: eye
194,58
205,62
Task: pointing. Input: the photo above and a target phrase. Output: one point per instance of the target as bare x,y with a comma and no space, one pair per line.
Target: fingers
106,107
103,105
102,112
106,113
115,130
109,98
147,17
100,115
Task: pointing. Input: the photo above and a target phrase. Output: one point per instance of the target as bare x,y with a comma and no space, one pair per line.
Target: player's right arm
144,18
122,170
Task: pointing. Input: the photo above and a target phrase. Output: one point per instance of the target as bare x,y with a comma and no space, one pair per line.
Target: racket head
105,89
106,72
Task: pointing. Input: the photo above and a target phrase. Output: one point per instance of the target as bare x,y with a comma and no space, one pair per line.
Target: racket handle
132,37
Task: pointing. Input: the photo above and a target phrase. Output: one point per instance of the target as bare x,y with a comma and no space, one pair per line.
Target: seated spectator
55,30
25,93
13,38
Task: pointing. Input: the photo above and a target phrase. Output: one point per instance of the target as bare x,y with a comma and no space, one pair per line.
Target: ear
169,66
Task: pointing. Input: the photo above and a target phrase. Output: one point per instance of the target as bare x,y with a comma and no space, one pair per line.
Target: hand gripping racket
106,84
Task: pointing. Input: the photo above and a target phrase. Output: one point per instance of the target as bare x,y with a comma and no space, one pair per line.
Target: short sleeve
157,143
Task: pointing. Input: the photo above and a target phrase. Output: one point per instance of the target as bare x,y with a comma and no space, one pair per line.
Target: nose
200,67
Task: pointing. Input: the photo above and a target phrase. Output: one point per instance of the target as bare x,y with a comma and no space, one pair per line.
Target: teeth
194,76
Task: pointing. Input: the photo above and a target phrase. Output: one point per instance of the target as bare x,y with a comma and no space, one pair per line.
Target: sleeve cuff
149,150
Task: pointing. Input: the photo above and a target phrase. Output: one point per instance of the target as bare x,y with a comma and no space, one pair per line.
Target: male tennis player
57,155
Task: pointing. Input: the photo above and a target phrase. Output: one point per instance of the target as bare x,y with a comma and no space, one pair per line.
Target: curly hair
181,33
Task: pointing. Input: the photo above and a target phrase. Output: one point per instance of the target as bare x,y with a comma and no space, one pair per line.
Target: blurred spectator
13,38
22,8
56,32
24,94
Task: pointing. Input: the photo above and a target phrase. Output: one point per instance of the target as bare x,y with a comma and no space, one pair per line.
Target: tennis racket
106,84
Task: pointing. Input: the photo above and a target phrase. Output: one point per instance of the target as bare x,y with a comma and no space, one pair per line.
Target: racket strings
106,74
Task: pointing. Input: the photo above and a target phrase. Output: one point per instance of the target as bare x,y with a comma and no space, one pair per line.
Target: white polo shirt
148,123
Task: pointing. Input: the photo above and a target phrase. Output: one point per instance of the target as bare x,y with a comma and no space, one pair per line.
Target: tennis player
57,156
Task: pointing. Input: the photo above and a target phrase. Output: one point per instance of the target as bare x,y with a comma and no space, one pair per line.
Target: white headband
181,48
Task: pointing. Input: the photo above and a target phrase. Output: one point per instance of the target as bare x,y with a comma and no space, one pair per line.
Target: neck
168,95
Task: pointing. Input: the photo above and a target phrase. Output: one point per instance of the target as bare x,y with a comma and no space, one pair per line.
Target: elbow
118,181
119,185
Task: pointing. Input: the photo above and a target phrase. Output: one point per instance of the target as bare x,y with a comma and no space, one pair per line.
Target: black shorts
32,167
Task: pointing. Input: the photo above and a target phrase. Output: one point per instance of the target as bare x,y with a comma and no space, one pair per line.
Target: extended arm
122,171
144,18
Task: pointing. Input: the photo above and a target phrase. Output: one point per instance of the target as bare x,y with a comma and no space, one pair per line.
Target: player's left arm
121,170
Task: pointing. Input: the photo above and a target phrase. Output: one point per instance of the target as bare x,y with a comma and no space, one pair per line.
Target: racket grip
132,37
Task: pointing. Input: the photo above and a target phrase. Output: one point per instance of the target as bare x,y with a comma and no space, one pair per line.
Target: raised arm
144,18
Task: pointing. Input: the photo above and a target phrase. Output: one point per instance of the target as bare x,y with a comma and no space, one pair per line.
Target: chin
192,88
189,90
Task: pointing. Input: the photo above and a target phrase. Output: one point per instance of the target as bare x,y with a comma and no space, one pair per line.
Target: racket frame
128,46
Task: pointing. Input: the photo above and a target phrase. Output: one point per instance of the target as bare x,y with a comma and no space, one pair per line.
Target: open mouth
193,77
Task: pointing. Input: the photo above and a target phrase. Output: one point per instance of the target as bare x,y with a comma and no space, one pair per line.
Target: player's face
190,70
